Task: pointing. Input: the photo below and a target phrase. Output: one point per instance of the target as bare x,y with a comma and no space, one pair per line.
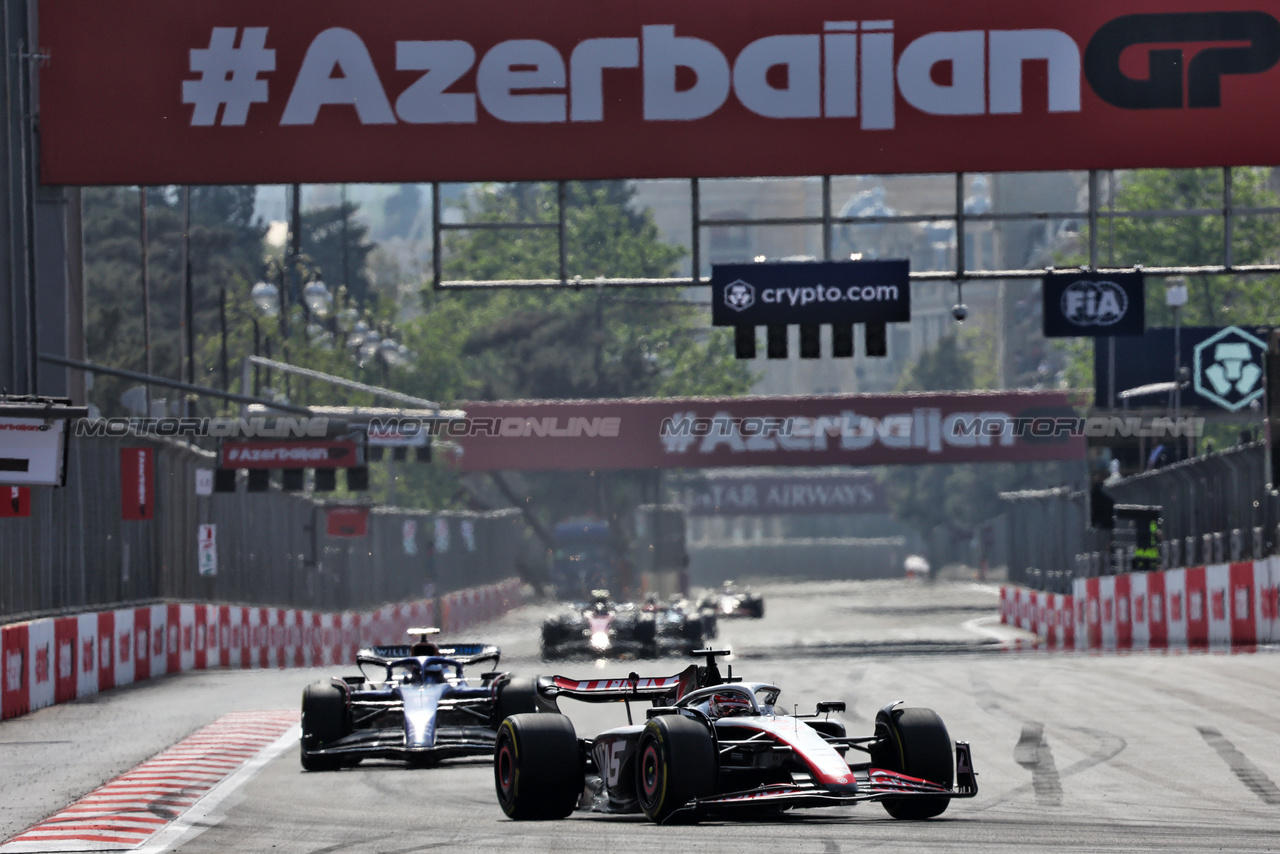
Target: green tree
226,251
1155,241
945,502
584,342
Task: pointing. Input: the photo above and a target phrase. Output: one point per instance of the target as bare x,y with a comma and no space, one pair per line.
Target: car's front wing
390,744
874,784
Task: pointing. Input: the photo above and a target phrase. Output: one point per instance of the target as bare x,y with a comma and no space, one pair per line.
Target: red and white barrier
43,662
1218,606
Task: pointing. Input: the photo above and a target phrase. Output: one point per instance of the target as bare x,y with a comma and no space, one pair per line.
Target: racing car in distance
601,628
722,747
411,703
734,601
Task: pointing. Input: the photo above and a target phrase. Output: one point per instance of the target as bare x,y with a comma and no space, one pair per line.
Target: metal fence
1214,508
75,552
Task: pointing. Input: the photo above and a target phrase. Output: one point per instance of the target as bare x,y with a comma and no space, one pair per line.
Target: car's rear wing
464,653
632,687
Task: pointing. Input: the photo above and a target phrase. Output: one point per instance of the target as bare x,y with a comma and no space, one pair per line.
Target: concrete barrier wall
1218,606
55,660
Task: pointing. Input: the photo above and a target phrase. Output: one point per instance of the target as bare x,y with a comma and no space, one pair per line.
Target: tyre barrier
1218,606
43,662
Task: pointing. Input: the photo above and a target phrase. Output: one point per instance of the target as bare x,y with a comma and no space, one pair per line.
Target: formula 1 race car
721,747
734,601
599,629
412,703
681,626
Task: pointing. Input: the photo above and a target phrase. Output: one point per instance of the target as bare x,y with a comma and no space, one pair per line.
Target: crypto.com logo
1228,368
739,295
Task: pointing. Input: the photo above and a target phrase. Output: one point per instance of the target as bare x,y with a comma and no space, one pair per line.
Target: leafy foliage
1196,239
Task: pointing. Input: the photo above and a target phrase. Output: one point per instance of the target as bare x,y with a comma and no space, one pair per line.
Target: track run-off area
1102,752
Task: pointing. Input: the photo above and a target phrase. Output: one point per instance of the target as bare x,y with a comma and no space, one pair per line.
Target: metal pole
295,251
144,228
695,205
222,325
29,211
1177,370
188,293
826,217
436,244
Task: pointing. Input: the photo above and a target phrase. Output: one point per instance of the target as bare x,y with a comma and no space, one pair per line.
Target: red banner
347,521
240,91
137,485
289,455
15,501
858,430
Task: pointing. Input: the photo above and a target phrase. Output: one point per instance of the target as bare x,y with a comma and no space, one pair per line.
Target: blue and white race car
412,703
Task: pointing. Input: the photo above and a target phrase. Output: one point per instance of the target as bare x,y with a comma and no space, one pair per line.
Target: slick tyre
537,767
324,720
915,742
677,763
515,697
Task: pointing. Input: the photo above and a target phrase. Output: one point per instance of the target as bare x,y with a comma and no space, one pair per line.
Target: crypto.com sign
247,91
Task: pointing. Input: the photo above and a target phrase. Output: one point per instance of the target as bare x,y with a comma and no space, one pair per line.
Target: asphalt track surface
1075,752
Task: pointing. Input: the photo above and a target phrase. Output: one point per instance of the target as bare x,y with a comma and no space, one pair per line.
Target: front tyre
537,767
677,764
324,720
915,742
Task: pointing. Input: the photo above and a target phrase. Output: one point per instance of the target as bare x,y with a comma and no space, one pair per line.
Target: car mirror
828,706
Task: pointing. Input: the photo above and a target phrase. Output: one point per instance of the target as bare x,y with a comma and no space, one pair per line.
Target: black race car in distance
734,601
412,703
721,747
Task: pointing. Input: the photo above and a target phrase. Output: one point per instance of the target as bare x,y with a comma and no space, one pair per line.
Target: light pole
1175,296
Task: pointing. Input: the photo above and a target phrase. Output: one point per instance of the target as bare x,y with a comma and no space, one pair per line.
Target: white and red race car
717,746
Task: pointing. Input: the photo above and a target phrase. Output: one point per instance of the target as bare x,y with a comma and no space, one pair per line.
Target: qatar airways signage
330,90
859,430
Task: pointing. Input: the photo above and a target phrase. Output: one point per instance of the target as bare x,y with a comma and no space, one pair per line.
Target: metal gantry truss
1095,214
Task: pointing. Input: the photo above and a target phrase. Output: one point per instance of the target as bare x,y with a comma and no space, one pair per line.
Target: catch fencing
1215,509
76,553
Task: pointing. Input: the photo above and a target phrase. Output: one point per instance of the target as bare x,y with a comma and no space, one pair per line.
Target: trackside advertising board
245,91
858,430
810,292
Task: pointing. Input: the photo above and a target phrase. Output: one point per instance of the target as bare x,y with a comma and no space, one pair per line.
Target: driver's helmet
726,704
424,648
433,674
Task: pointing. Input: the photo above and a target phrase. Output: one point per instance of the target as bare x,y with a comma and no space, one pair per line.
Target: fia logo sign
1090,303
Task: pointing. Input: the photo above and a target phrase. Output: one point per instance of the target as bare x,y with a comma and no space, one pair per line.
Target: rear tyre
537,767
515,697
324,721
915,742
677,763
